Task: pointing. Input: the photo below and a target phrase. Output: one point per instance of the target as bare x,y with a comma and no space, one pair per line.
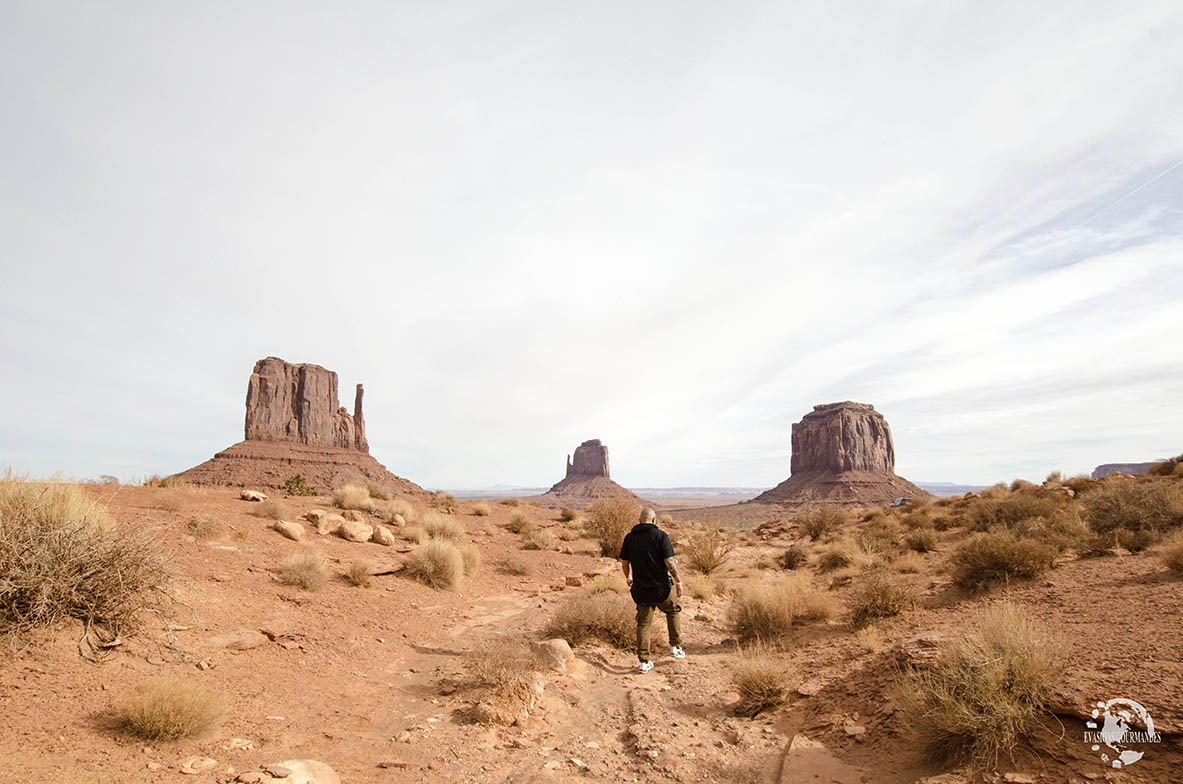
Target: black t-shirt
646,547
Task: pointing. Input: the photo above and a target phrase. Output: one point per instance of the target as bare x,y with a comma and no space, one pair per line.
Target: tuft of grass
379,491
271,509
353,497
1009,511
443,501
63,556
567,514
879,536
999,556
515,565
986,693
168,709
539,539
520,524
706,551
400,507
437,563
871,639
1172,552
1134,506
821,521
414,533
205,527
878,594
701,586
769,610
305,569
442,526
608,521
509,502
613,582
481,510
761,680
504,672
360,572
172,500
922,540
908,563
471,555
665,519
610,617
794,556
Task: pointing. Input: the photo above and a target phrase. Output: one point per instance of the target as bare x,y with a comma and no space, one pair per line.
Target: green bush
295,485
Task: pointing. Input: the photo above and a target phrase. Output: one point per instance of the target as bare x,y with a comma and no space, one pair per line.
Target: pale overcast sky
675,226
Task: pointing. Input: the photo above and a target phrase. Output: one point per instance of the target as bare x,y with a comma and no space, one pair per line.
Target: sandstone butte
843,455
587,479
295,425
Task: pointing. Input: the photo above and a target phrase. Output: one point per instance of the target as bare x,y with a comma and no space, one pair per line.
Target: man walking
647,560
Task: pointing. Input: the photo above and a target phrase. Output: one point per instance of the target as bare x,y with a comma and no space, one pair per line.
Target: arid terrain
377,681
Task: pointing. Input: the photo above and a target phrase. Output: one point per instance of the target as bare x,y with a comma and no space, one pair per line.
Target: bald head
648,515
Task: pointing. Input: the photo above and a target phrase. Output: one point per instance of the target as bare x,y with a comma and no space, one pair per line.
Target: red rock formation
842,455
294,425
587,479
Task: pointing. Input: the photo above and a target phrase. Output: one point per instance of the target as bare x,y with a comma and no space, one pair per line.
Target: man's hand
677,587
630,582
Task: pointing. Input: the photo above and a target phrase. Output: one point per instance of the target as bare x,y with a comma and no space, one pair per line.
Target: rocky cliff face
591,459
842,455
298,403
842,437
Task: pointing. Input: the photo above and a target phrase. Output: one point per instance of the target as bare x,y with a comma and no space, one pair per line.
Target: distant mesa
587,479
1105,469
843,455
294,425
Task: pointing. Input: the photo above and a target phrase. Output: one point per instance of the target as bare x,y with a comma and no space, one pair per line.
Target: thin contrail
1149,182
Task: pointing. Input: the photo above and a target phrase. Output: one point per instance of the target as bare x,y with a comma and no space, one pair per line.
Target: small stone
241,640
552,765
809,688
251,777
314,516
854,730
292,531
355,531
197,764
278,771
1019,778
382,536
393,764
404,737
154,766
253,495
574,580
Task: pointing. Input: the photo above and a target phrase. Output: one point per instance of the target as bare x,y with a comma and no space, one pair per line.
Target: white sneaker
677,652
646,666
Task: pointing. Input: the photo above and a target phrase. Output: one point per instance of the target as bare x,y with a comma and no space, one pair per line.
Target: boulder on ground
382,536
329,524
353,531
354,515
302,771
252,495
553,654
314,516
293,531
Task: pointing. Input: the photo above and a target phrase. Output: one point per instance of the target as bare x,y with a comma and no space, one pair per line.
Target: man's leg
644,620
672,607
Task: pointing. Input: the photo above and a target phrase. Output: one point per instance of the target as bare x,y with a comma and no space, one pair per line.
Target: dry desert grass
305,569
761,680
609,520
706,551
768,610
606,616
360,572
162,709
353,497
437,563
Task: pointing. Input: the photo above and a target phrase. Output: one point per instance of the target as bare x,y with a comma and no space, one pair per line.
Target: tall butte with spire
295,425
587,479
843,455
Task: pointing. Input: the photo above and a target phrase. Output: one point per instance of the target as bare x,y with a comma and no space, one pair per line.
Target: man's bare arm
625,567
672,567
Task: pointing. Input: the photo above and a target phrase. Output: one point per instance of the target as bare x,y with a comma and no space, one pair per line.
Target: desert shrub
1022,484
414,533
168,709
613,582
1081,483
768,610
1054,479
442,526
762,682
171,500
204,527
471,555
835,558
539,539
821,521
1007,511
706,551
985,693
701,586
922,540
1168,467
918,517
509,502
437,563
879,594
481,510
870,638
944,522
505,674
271,509
610,617
401,507
999,556
879,537
519,524
443,501
63,556
873,514
567,514
379,491
515,565
295,485
305,569
156,480
353,497
1134,506
1064,530
360,572
609,520
908,563
665,519
794,555
569,534
1172,552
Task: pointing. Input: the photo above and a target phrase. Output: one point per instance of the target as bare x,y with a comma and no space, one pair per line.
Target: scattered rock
809,760
810,688
354,515
354,531
251,777
279,771
382,536
854,730
278,628
241,640
197,764
393,764
253,495
329,524
399,520
574,580
292,531
1019,778
314,516
553,654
